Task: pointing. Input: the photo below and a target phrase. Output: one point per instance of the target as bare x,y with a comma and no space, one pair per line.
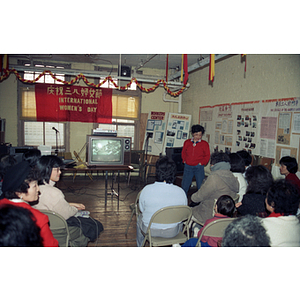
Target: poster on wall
178,127
165,130
257,126
155,132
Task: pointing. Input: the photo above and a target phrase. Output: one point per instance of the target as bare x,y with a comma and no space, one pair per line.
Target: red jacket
42,221
193,155
212,241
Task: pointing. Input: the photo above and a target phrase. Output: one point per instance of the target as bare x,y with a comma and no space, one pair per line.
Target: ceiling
135,61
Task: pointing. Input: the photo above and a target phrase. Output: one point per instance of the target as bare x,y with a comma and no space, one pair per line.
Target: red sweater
42,221
212,241
293,178
193,155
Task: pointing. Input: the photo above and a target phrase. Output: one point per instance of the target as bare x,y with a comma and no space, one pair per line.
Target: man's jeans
188,174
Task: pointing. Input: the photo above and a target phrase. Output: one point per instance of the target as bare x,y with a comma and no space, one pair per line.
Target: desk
112,169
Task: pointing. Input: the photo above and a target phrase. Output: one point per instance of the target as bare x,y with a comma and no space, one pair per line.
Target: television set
108,151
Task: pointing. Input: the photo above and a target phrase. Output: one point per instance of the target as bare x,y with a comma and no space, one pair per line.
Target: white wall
267,77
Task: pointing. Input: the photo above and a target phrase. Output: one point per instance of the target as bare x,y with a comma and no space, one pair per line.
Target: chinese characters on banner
59,103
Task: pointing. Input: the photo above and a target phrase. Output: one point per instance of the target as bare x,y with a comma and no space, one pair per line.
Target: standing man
195,155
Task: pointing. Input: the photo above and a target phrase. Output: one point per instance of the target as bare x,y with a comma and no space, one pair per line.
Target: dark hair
290,163
18,227
198,128
165,170
32,155
6,162
246,156
284,197
237,163
33,175
259,179
225,206
219,156
45,164
246,231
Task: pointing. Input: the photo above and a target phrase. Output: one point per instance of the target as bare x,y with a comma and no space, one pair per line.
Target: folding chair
59,227
134,210
169,215
215,229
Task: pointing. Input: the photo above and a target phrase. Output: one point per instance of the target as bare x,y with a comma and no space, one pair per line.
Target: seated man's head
165,170
283,197
219,156
246,231
225,206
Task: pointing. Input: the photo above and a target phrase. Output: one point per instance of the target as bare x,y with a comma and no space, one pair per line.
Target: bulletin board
165,130
267,128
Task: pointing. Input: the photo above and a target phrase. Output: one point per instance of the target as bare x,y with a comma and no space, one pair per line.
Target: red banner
61,103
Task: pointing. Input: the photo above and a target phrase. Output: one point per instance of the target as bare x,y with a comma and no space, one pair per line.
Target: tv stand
105,169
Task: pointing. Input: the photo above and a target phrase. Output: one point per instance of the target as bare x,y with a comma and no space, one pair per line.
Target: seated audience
282,225
52,198
289,168
20,188
161,193
246,231
220,182
259,180
224,208
247,157
238,169
18,228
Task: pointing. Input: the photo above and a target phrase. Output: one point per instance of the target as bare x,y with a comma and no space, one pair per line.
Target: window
39,133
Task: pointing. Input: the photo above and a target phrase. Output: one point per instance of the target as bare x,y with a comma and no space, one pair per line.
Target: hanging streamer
108,78
185,67
167,67
212,68
244,56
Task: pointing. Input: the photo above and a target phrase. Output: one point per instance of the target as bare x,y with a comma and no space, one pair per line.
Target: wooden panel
91,194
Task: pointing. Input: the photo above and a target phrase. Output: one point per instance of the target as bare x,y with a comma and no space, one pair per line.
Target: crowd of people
29,185
265,211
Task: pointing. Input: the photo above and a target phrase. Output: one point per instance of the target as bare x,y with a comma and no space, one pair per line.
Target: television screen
106,150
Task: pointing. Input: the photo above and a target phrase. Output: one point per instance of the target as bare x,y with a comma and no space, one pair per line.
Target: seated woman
289,168
161,193
220,182
282,225
224,208
259,180
20,188
237,168
52,198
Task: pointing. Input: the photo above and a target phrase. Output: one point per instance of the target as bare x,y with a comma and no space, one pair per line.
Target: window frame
21,125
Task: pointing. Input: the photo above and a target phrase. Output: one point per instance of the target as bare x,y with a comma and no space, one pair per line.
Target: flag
184,68
212,68
167,67
3,63
244,57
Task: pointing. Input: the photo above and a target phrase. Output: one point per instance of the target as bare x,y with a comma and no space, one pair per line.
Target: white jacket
283,231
